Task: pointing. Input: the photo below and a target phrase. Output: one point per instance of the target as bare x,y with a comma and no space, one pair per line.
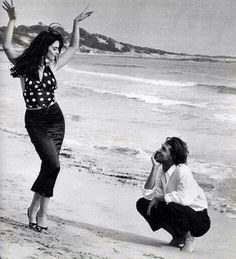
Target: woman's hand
10,9
85,14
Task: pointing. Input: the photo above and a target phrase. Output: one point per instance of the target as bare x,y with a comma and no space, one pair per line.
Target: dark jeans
175,218
46,129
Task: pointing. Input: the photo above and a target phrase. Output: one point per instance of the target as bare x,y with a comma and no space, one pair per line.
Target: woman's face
53,51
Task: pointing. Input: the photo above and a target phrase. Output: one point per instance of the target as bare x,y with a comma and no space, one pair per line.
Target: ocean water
119,110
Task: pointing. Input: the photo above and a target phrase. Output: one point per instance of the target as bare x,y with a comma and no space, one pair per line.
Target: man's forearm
151,178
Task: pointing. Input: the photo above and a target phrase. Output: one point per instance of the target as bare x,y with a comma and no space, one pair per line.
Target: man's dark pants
175,218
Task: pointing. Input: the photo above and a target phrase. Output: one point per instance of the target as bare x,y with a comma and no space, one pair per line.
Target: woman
44,120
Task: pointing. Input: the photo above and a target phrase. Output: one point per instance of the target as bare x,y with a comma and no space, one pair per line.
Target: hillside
99,44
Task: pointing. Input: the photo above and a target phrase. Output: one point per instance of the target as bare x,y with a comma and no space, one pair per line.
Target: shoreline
185,58
193,58
90,215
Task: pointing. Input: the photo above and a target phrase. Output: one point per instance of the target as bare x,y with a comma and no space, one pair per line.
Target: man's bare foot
177,242
189,244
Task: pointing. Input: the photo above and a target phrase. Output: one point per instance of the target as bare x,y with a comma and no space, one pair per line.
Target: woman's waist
44,117
43,107
51,113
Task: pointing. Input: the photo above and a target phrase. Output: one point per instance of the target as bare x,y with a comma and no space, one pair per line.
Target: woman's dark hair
178,150
29,62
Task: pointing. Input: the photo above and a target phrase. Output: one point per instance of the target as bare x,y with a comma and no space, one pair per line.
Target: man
172,199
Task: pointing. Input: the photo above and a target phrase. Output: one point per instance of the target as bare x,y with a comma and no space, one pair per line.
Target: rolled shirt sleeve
149,194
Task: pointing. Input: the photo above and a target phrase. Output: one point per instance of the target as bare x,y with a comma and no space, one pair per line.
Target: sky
184,26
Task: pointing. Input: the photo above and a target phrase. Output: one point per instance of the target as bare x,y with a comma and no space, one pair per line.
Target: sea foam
150,99
130,78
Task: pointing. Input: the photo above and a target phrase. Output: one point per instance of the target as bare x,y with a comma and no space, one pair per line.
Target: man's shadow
111,233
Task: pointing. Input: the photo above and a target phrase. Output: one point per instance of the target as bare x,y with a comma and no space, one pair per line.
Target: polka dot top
40,94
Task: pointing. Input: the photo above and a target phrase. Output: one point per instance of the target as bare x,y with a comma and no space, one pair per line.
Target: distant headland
93,43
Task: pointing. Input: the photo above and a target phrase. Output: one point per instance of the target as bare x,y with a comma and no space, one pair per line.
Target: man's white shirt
179,186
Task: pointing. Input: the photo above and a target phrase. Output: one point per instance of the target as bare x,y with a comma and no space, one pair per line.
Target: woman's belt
40,108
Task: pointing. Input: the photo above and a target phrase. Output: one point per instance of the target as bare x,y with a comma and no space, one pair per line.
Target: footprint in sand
65,249
153,256
115,250
99,234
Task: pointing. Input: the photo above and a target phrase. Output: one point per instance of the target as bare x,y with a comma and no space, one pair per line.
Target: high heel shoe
31,224
39,228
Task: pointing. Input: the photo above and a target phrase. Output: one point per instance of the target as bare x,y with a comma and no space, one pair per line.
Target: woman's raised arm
74,42
7,40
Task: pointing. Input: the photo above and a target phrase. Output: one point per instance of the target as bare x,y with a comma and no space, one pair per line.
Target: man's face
163,154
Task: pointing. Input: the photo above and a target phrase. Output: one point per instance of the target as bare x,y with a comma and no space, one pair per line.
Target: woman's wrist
77,21
13,18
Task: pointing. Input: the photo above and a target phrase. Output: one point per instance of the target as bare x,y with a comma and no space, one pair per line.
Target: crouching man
172,199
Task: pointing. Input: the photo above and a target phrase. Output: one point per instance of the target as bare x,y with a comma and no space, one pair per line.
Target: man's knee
56,170
142,205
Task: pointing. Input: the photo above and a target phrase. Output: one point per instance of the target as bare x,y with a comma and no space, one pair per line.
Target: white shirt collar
169,172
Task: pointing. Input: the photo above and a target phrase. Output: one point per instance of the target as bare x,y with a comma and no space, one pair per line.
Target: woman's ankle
41,219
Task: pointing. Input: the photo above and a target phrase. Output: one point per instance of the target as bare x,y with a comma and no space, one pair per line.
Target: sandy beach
91,216
139,75
104,160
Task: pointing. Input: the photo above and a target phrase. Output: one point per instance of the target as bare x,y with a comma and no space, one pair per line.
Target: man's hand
154,162
153,203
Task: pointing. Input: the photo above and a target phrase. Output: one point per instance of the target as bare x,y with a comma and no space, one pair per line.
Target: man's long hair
29,62
178,150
